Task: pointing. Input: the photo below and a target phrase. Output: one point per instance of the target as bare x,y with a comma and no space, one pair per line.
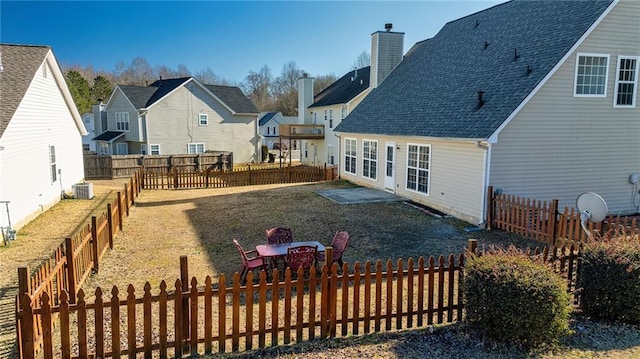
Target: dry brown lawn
165,224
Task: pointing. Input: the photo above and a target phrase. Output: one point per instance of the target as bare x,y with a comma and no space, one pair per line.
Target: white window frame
195,148
344,112
330,118
633,82
120,146
143,149
86,147
154,149
325,115
122,121
53,170
606,75
203,119
418,170
330,155
350,155
370,159
103,148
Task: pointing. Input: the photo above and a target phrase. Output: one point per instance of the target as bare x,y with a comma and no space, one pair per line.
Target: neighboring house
88,144
40,133
332,104
269,124
178,116
535,98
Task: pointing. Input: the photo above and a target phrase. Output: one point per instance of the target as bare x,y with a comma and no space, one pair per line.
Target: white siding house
41,133
547,110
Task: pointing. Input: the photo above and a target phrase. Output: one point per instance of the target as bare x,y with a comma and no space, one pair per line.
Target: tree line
268,92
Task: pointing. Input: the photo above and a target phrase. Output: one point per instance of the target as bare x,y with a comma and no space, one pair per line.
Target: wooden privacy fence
190,319
542,221
70,264
215,179
121,166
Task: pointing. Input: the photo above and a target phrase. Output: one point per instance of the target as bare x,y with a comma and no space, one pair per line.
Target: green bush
609,279
512,298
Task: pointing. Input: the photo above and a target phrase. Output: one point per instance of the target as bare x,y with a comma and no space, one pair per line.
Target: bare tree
257,85
286,89
321,82
363,60
208,77
138,73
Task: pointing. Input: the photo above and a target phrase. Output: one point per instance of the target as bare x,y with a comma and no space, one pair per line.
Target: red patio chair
302,256
279,235
250,261
339,244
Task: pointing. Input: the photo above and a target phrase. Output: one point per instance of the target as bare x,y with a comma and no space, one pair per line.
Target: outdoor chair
302,256
339,244
250,261
279,235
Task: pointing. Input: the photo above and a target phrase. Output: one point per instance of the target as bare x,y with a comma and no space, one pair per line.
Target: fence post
249,167
120,211
554,221
110,225
94,244
71,269
126,199
27,345
132,189
472,245
175,178
24,282
184,278
489,206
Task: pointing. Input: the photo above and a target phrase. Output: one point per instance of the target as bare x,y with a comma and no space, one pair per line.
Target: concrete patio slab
359,195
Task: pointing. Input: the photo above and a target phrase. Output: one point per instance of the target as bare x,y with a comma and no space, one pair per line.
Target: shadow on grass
590,339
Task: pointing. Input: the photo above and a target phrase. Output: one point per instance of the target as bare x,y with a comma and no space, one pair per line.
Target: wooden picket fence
71,263
542,221
215,179
194,319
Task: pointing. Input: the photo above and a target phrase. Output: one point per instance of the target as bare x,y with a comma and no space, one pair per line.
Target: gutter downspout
485,184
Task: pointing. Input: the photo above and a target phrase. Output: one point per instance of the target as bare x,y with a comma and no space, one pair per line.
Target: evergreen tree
80,91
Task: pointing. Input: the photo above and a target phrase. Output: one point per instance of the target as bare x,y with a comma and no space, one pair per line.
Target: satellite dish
592,208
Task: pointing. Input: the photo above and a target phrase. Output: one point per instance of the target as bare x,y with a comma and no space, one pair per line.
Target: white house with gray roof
535,98
334,103
40,133
178,116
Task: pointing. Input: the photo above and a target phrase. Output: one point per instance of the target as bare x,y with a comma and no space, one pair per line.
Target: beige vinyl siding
120,103
41,120
456,174
559,145
173,123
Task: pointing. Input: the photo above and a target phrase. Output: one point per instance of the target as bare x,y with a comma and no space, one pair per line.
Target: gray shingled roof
344,89
20,64
266,117
433,92
234,98
145,96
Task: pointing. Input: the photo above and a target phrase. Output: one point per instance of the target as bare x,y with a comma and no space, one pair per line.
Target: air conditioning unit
83,190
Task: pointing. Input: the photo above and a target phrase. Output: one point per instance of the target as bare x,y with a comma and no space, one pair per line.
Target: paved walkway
359,195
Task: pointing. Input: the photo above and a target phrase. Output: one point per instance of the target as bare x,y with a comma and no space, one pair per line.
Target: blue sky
231,38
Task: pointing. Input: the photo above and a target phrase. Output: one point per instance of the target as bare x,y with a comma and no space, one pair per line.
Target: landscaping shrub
512,298
609,279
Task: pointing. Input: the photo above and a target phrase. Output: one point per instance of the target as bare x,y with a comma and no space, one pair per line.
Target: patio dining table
275,251
280,249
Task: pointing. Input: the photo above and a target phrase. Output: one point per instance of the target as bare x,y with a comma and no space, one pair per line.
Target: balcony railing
302,131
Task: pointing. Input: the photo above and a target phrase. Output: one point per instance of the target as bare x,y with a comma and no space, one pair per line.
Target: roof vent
486,44
480,100
388,26
477,23
516,56
529,69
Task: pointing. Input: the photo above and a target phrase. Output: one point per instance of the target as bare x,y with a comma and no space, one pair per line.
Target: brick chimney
387,48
